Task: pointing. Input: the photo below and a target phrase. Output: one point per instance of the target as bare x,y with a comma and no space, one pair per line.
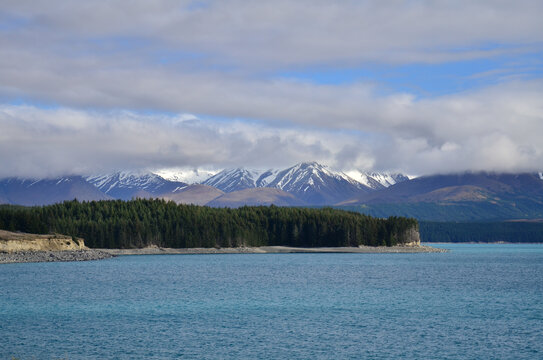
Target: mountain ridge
310,182
30,192
126,185
459,197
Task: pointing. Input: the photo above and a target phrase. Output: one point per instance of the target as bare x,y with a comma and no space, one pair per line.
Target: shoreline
482,243
276,250
99,254
53,256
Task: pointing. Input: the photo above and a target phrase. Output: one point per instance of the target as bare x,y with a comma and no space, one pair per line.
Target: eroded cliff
11,242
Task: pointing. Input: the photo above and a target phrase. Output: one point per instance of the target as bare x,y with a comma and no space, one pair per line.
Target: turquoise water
478,301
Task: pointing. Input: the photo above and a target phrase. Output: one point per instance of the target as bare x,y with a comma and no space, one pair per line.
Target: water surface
477,301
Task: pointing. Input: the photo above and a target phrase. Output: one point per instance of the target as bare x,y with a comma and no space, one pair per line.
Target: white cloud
494,129
37,142
215,59
283,32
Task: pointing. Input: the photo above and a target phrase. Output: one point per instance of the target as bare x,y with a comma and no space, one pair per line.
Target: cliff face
11,242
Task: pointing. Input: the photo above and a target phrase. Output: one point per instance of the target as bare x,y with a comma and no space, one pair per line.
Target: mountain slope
196,194
256,197
458,197
126,185
239,179
483,186
375,180
48,191
315,184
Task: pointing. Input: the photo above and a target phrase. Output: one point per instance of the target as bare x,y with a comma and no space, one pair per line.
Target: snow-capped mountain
311,182
307,183
376,180
316,184
299,176
126,185
230,180
186,175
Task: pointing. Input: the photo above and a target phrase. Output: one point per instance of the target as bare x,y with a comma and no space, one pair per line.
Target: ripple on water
475,302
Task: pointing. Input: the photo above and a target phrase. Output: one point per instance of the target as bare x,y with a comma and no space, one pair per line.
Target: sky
419,87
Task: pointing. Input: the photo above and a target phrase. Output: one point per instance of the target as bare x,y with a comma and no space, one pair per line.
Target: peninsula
24,247
161,227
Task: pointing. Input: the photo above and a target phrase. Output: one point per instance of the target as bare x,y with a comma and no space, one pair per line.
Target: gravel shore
276,250
53,256
98,254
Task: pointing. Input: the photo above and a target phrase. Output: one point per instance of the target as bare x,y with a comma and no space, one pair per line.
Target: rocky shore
98,254
53,256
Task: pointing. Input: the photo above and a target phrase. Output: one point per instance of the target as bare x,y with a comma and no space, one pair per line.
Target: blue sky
430,80
413,86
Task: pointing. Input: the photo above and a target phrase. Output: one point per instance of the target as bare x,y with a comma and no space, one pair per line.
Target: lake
477,301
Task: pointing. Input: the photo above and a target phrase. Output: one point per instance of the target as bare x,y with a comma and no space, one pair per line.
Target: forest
144,222
503,231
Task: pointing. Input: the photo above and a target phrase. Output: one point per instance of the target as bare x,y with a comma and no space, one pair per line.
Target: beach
274,250
99,254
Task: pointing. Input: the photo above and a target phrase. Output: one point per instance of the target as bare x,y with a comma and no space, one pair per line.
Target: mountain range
304,184
310,182
458,197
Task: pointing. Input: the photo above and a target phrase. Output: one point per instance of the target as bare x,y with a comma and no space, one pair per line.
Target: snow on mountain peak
186,175
128,184
376,180
230,180
121,179
304,175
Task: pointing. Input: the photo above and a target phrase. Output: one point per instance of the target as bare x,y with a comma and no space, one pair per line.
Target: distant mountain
48,191
458,197
310,182
459,187
316,184
375,180
239,179
453,197
186,175
196,194
126,185
256,197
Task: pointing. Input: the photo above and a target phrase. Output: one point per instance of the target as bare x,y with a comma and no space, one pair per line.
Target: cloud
495,129
37,142
260,34
126,77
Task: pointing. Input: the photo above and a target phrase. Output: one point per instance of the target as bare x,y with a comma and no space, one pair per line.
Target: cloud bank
103,85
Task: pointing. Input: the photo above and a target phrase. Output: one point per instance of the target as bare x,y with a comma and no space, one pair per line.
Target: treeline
142,222
507,231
